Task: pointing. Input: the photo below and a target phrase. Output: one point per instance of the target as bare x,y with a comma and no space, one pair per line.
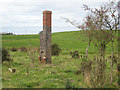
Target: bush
5,55
23,49
55,49
13,49
74,54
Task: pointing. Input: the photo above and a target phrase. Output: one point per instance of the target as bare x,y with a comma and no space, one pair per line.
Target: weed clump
5,55
23,49
86,66
32,55
13,49
55,49
69,84
74,54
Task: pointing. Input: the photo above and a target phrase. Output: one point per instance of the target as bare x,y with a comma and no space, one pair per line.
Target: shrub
23,49
74,54
99,72
5,55
13,49
55,49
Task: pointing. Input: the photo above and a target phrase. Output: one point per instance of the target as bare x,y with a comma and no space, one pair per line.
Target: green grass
61,70
69,41
45,75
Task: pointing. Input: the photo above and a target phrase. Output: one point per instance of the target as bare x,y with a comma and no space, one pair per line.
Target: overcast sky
25,16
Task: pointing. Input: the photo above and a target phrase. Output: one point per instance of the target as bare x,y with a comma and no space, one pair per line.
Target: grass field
75,40
61,73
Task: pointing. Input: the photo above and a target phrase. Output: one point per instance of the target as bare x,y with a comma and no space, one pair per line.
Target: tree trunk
102,59
102,52
104,46
88,48
112,62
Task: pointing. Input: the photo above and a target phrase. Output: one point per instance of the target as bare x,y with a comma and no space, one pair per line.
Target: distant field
75,40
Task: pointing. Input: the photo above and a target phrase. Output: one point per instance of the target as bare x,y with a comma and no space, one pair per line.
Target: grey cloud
26,15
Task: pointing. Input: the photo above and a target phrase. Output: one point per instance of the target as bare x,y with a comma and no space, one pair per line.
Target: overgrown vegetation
69,85
95,72
5,55
23,49
95,25
74,54
13,49
55,49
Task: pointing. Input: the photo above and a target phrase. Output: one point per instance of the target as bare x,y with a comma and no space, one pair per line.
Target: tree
107,18
97,24
103,18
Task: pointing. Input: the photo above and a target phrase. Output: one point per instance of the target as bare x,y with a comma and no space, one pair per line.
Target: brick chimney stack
45,37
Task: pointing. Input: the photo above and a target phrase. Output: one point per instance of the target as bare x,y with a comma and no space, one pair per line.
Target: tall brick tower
45,37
